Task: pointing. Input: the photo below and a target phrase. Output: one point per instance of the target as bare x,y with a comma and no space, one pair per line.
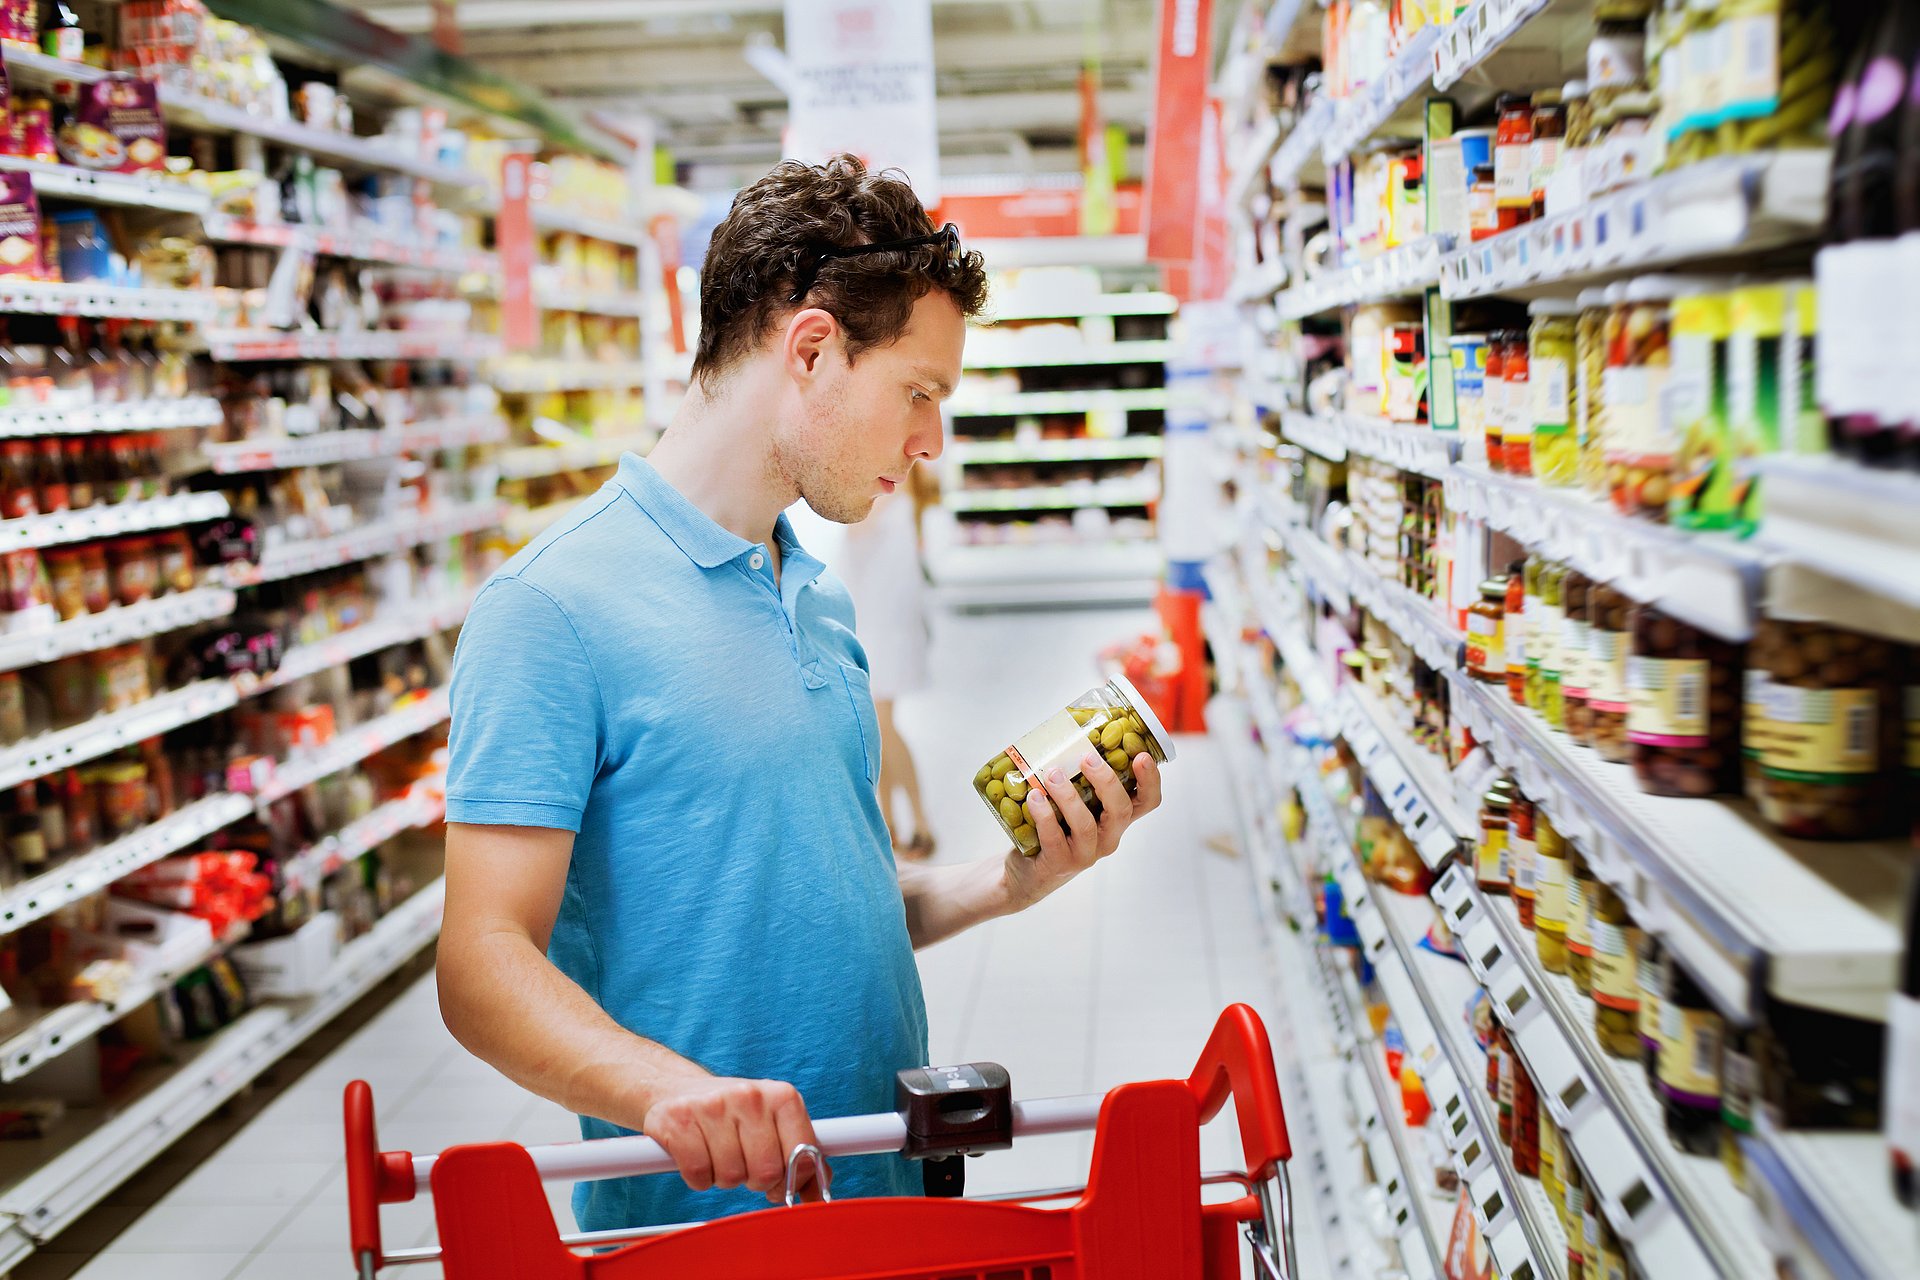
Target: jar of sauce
1516,433
1683,713
1494,395
1521,577
1616,975
1491,867
1549,894
1523,856
1653,991
1513,160
1580,894
1689,1076
1486,650
1483,206
1548,127
1573,657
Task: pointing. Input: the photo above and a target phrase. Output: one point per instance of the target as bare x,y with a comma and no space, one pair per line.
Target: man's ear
810,335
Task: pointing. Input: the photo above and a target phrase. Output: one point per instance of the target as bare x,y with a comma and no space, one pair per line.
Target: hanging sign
513,238
862,81
1174,136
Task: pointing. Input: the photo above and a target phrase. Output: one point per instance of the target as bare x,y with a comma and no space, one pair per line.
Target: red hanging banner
513,238
1173,139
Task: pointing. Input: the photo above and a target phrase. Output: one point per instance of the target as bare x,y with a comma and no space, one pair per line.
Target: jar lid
1547,98
1468,340
1510,102
1553,307
1483,173
1458,134
1573,89
1590,299
1666,288
1494,589
1144,709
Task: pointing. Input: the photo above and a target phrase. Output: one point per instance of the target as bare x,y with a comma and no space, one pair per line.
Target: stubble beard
833,492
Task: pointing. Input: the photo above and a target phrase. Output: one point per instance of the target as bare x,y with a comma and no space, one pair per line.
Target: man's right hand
725,1132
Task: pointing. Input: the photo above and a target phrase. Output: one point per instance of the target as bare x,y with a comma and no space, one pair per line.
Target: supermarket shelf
55,1180
355,745
533,460
185,111
232,345
327,447
551,218
1744,909
1047,573
128,415
1247,169
1708,580
110,521
598,304
1017,403
1402,272
402,627
1257,282
1406,445
1415,785
366,244
419,807
1836,1193
1392,99
1068,498
85,298
1843,542
1104,304
116,625
1682,1213
1298,159
378,538
1733,205
539,377
129,190
92,872
1082,449
1486,28
1017,354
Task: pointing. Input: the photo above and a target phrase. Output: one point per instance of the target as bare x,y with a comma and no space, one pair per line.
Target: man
671,905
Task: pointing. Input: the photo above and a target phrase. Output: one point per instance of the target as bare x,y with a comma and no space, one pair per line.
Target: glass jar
1739,1086
1548,128
1503,1063
1552,1159
1470,394
1640,449
1689,1076
19,494
1522,577
1491,867
1829,736
1513,160
1589,389
1483,204
1608,647
1495,397
1573,657
1608,1259
1616,974
1683,712
1695,416
1113,718
1574,1219
1549,893
1820,1069
1653,990
1516,431
1550,702
1486,650
1524,1133
1580,894
67,576
1522,856
1550,366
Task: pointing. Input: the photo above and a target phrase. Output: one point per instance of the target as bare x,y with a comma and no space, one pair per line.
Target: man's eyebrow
935,381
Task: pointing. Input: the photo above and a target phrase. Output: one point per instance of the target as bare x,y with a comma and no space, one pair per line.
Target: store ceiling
1007,72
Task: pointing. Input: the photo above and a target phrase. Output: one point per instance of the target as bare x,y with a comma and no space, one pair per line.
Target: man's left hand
1071,838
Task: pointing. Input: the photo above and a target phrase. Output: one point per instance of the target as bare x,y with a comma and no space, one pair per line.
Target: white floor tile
201,1228
230,1182
117,1265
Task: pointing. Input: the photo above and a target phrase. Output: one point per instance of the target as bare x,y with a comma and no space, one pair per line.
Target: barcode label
1859,729
1689,695
1706,1048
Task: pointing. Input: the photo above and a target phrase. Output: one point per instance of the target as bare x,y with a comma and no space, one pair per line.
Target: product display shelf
1079,449
92,872
1028,305
1404,271
110,520
1731,206
421,806
986,574
398,626
128,190
355,745
539,376
1298,159
1389,104
366,244
1129,493
1406,445
1835,1192
1257,282
89,298
61,1028
1415,784
1013,404
327,447
378,537
1006,352
1247,167
1745,910
551,218
50,1182
128,415
116,625
1843,542
529,461
59,749
236,345
349,151
597,304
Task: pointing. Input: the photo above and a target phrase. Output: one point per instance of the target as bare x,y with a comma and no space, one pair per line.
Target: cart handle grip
1238,1061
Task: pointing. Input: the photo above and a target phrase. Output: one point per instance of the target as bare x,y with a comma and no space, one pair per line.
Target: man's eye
920,395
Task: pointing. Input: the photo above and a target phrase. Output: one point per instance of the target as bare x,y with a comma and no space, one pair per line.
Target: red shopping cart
1140,1215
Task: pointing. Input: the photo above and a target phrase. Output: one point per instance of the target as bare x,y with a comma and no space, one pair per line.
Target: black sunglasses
947,237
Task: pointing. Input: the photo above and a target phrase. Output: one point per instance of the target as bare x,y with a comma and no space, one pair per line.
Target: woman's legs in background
897,773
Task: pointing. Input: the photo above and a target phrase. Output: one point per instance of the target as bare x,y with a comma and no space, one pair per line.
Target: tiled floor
1118,977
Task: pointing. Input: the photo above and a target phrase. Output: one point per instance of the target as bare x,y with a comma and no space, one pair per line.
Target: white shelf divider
130,415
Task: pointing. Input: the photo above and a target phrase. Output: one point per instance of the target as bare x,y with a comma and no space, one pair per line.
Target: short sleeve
527,716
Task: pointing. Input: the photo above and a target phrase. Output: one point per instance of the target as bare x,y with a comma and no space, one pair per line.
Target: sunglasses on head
947,237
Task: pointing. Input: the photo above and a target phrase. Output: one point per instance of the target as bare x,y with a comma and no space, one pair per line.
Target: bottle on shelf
1523,856
1491,861
1653,990
1518,631
1580,893
1549,893
1690,1051
1616,978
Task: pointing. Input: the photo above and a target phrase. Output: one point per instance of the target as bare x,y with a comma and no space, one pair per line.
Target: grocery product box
19,226
115,127
296,965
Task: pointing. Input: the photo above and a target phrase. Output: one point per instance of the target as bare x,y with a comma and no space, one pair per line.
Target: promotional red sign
1033,212
514,239
1174,136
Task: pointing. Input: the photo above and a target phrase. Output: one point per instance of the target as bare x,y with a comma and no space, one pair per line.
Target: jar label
1544,157
1579,920
1752,85
1549,892
1524,858
1739,1079
1651,989
1573,657
1552,395
1552,623
1058,743
1753,716
1607,670
1513,175
1667,701
1816,735
1519,640
1576,1218
1616,978
1485,653
1490,858
1690,1055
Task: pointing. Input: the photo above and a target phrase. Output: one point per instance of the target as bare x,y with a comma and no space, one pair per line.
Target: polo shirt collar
691,529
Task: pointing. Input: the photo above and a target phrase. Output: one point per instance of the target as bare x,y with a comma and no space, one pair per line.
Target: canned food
1112,719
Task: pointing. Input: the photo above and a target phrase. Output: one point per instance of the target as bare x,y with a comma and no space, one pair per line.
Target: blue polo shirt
637,676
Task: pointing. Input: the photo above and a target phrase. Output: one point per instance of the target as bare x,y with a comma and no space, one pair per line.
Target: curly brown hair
755,255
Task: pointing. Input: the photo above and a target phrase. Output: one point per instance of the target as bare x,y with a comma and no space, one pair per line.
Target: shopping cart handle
1238,1062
